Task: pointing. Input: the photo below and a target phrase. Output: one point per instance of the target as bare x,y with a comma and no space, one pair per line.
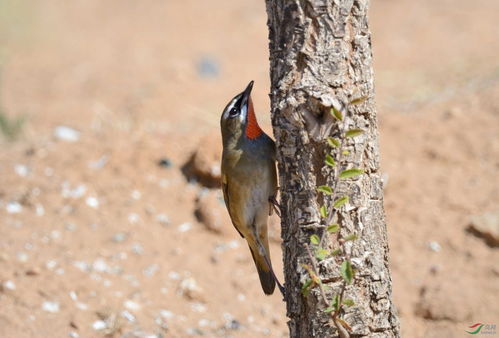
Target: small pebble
22,256
163,219
119,237
51,264
92,202
137,249
66,134
99,164
136,195
208,67
166,314
100,265
99,325
14,208
10,285
83,266
52,307
48,172
131,305
128,316
133,218
198,307
173,275
150,270
165,163
73,334
184,227
39,210
21,170
434,246
73,296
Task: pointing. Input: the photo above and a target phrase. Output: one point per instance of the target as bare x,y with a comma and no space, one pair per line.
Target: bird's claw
275,205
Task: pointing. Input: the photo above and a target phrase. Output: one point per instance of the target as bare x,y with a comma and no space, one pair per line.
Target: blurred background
109,116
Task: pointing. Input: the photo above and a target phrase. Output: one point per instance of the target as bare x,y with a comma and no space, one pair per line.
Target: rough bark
320,56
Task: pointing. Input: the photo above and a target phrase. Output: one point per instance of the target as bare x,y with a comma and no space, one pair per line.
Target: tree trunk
320,57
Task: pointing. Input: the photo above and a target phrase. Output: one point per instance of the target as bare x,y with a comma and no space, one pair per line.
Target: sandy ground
96,238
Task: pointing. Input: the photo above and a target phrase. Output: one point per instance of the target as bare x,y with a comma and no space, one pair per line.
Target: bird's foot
275,205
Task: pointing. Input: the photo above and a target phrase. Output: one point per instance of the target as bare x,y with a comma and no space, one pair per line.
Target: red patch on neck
253,130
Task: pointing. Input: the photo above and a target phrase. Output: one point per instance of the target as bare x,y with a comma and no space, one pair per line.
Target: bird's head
238,119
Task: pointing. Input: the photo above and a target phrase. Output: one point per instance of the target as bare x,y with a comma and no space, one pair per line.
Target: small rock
208,67
133,218
39,210
14,207
128,316
66,134
150,270
166,314
21,170
9,285
99,164
163,219
184,227
73,334
434,246
136,195
165,163
233,325
204,164
131,305
211,212
100,265
173,275
52,307
99,325
198,307
438,302
487,227
22,256
190,289
137,249
92,202
120,237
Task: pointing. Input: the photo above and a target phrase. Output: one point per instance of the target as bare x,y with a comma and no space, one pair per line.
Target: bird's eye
233,111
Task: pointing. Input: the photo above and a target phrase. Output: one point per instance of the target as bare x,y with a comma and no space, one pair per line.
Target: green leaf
314,239
333,142
351,237
336,303
345,152
335,252
329,309
354,132
351,173
336,113
323,211
333,228
358,100
346,271
348,302
330,160
305,289
340,201
321,254
325,189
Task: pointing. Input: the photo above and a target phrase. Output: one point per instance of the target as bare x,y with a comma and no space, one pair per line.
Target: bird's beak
247,93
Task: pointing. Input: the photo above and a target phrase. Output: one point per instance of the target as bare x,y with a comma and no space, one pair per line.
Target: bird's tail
264,270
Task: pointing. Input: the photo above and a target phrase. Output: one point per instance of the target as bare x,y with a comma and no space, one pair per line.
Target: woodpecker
249,180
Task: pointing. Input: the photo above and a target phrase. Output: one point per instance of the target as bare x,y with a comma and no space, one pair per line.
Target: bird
249,180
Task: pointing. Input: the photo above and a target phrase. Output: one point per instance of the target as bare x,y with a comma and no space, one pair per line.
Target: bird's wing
225,189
